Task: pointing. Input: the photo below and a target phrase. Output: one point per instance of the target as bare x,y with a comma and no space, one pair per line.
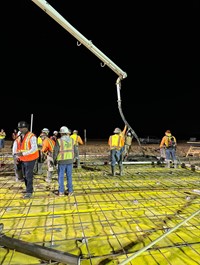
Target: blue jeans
62,170
116,157
27,169
2,143
170,154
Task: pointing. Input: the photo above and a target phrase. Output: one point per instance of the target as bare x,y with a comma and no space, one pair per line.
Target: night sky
46,73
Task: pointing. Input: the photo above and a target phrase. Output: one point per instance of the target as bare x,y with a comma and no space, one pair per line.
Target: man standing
63,156
169,143
2,138
116,143
77,140
26,151
38,168
127,145
46,153
54,136
14,136
17,163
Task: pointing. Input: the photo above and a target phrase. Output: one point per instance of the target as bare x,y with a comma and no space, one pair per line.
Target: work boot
113,170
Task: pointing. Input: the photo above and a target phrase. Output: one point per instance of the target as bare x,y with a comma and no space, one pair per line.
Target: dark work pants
27,168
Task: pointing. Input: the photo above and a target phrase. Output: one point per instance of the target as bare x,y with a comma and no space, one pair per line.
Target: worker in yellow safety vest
116,144
77,140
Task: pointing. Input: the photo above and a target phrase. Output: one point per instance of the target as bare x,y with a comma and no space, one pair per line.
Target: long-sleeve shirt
33,149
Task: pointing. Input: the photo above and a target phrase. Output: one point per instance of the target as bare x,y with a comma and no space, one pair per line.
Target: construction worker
54,136
77,140
63,157
26,151
45,130
116,144
123,135
14,136
127,145
46,154
169,143
17,163
2,138
38,170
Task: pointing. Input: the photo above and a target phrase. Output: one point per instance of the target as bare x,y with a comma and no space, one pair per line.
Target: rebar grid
108,218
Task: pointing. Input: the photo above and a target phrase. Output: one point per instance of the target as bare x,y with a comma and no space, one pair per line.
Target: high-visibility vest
77,139
66,151
47,145
116,141
39,142
2,135
25,145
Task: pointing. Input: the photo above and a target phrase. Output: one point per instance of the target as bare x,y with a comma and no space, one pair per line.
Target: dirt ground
100,147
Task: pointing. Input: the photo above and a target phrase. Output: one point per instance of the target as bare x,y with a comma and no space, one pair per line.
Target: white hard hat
75,131
64,129
45,130
43,134
129,134
117,130
55,132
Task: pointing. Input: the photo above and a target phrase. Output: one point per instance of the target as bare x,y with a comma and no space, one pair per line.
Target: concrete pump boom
47,8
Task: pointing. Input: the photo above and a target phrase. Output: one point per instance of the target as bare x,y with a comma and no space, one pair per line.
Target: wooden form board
194,149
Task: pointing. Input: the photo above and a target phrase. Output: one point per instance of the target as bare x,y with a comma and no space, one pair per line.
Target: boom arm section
46,7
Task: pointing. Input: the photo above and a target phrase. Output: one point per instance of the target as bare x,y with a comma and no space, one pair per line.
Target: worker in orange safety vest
25,149
46,154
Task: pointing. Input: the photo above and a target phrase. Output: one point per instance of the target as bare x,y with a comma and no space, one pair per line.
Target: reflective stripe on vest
51,143
66,150
25,146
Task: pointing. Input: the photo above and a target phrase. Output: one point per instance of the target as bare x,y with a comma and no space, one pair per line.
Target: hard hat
22,124
75,131
129,134
43,134
117,130
64,129
55,132
45,130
